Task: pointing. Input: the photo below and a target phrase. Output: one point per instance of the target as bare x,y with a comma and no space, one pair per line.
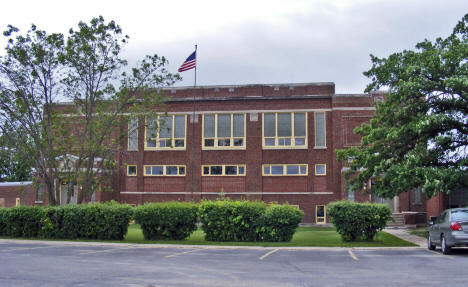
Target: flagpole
193,127
195,66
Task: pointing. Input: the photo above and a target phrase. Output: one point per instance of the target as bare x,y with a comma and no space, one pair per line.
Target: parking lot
31,263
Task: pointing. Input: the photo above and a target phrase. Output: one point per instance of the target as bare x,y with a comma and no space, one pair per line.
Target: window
284,169
350,195
320,129
133,134
320,169
223,131
226,170
165,132
164,170
417,195
320,214
131,170
284,130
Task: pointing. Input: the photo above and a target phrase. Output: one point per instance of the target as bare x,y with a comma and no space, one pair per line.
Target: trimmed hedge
103,221
226,220
167,220
3,212
279,222
355,220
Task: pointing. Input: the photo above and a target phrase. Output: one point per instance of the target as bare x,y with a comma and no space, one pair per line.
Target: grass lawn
304,236
422,232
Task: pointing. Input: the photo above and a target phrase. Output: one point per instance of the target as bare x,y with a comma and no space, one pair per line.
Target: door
67,188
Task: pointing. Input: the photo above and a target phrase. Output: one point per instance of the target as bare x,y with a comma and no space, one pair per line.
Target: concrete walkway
405,234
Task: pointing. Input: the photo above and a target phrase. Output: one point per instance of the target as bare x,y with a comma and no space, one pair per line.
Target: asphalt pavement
32,263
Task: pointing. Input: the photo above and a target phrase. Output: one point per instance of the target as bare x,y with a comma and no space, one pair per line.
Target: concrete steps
399,220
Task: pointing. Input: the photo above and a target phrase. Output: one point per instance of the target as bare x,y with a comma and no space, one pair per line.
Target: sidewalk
405,234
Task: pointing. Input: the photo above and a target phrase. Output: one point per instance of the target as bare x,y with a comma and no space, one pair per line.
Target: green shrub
226,220
279,223
354,220
3,212
167,220
23,221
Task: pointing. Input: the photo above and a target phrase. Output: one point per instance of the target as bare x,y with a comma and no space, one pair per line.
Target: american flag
190,63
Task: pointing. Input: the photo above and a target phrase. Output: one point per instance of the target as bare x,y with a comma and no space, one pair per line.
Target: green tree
13,165
419,134
78,141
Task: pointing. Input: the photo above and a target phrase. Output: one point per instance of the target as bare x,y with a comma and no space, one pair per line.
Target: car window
441,217
460,215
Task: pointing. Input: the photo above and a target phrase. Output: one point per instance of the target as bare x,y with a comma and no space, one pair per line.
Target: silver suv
449,229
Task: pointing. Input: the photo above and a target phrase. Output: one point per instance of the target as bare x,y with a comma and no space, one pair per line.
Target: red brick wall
9,193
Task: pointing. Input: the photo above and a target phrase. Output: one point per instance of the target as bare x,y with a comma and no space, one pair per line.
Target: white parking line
352,255
268,254
435,252
180,253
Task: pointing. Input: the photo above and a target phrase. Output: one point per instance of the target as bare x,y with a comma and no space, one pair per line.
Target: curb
183,246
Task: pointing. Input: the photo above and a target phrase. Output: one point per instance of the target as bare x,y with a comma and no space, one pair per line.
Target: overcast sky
256,42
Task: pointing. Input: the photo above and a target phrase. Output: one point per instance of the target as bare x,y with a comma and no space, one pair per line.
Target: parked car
449,229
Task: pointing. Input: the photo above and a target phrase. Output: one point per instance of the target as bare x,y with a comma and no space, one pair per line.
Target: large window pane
179,127
151,128
165,127
216,170
292,169
277,169
133,134
209,123
171,170
230,170
299,125
224,126
238,128
269,125
284,125
320,129
156,170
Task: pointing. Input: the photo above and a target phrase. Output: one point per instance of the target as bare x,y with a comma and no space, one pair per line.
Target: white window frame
128,168
325,169
324,131
224,170
216,138
285,166
130,131
172,139
164,168
292,138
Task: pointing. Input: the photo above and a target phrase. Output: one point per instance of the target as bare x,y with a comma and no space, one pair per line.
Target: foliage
108,221
419,134
23,221
279,223
227,220
167,220
85,68
14,166
3,213
354,220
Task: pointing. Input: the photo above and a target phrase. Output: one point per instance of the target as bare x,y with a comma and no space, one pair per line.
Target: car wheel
430,244
445,249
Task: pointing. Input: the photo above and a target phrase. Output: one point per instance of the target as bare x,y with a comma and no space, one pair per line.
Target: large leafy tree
419,134
14,166
85,68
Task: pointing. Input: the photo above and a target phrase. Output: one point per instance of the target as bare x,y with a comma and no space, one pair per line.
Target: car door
435,234
443,224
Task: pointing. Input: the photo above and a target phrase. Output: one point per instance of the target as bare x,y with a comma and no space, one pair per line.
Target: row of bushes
108,221
222,220
354,220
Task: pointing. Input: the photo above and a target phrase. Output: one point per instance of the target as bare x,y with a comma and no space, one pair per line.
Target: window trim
224,169
164,170
128,134
215,138
136,169
324,217
292,137
324,130
157,139
285,169
320,174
